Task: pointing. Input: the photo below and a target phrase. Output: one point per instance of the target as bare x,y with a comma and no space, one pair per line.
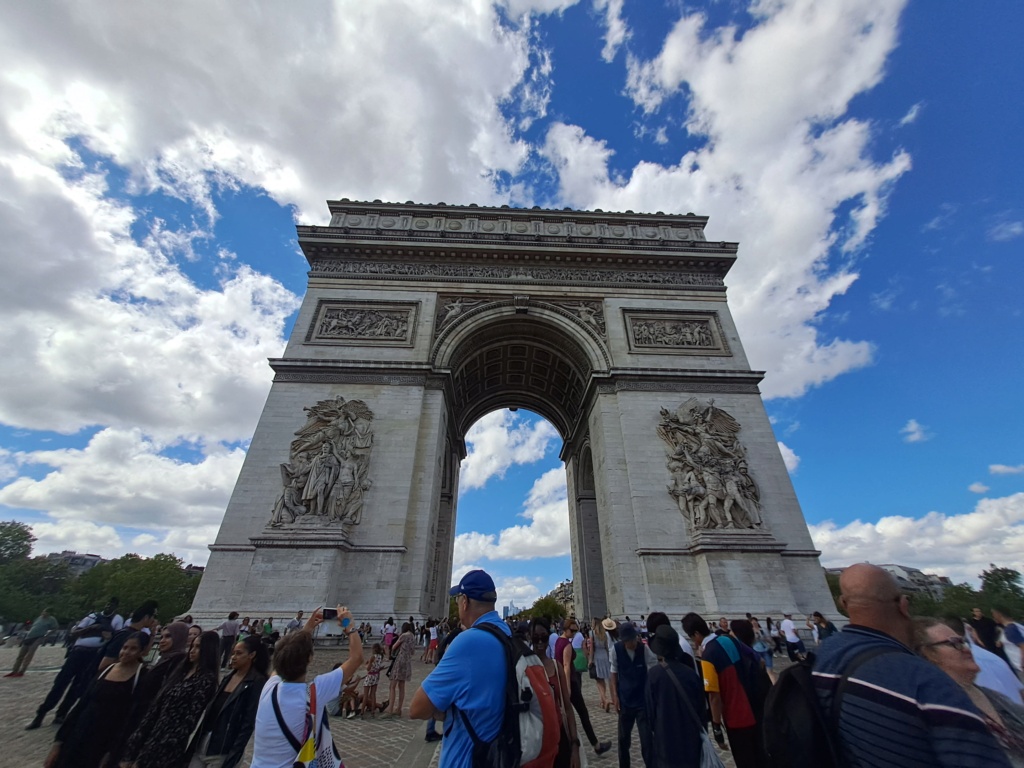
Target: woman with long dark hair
97,719
401,671
162,736
231,717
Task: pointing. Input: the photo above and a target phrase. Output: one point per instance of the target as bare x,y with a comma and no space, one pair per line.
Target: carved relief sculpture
348,323
711,481
667,333
326,476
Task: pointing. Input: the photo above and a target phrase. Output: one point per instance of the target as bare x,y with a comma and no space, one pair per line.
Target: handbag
314,751
592,671
708,756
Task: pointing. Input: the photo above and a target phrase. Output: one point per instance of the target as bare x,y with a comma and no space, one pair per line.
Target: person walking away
401,672
40,628
629,662
228,637
230,719
1013,636
468,683
79,668
95,722
284,701
601,661
676,709
942,646
568,755
565,653
162,737
388,631
794,645
897,710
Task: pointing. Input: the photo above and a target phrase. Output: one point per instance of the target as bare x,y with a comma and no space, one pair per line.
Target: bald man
897,710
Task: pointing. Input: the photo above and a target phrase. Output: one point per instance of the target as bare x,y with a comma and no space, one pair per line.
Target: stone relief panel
327,474
589,314
711,481
675,333
363,323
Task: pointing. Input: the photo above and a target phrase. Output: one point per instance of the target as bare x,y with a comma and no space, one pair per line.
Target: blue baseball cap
476,585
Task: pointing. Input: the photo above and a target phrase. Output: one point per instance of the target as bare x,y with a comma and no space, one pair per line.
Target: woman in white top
273,747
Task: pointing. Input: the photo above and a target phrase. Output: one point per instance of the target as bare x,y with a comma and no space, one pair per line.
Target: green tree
547,606
1001,584
16,540
134,579
28,586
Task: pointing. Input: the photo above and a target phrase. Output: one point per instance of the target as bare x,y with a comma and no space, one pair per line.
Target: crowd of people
899,690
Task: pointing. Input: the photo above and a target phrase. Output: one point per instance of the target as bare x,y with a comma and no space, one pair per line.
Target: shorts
433,644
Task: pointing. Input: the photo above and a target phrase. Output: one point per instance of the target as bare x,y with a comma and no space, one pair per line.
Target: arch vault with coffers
419,320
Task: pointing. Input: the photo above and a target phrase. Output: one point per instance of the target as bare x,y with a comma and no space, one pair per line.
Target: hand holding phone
330,614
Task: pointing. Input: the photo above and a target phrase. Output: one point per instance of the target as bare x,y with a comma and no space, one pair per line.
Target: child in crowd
373,668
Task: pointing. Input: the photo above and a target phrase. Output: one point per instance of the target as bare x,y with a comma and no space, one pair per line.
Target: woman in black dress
162,737
231,717
97,719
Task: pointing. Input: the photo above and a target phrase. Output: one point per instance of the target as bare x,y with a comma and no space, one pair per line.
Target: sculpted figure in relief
711,482
326,477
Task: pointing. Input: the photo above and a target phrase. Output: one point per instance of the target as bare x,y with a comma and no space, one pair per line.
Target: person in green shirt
32,640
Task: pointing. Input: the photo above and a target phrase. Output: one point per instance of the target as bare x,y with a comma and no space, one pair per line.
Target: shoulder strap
281,723
682,693
858,661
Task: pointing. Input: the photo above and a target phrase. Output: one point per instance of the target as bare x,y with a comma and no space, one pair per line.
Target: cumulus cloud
789,457
977,488
498,441
1005,469
914,432
780,158
956,545
546,534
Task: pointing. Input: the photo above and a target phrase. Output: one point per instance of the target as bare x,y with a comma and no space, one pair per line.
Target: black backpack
795,728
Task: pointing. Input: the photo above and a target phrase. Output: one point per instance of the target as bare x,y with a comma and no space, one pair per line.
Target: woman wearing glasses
937,642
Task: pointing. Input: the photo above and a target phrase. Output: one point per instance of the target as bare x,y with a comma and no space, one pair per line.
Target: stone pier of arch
420,319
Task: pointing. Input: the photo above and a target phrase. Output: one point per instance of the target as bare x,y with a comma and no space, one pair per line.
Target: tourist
432,627
897,710
230,719
31,642
794,645
79,667
630,659
277,743
351,701
675,713
228,637
987,632
763,646
994,673
268,627
1013,635
568,740
941,645
602,644
565,653
245,628
163,735
401,670
772,633
470,676
143,620
294,625
723,626
373,667
657,619
731,680
96,721
194,631
823,628
388,633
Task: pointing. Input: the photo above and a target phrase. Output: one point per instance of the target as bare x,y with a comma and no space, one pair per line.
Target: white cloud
977,488
958,545
789,457
545,535
77,536
780,158
912,114
1006,230
913,432
1005,469
499,440
616,30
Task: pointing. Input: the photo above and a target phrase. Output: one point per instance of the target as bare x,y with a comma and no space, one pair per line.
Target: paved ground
362,743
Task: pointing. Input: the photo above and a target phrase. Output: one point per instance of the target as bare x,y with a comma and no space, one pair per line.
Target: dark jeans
628,716
745,745
794,648
576,699
226,645
80,667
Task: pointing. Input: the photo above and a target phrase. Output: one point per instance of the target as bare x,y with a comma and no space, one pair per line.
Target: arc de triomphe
419,320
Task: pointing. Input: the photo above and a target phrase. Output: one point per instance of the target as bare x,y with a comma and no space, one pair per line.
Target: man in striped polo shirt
897,709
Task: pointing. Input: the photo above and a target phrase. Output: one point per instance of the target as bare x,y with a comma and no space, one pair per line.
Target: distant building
194,570
564,594
912,580
77,563
510,610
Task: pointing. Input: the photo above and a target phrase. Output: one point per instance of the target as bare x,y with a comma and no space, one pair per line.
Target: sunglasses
956,643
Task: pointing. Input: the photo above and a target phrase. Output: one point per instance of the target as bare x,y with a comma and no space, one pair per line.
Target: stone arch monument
419,320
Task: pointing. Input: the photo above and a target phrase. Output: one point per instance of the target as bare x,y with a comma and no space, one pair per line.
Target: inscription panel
675,333
363,323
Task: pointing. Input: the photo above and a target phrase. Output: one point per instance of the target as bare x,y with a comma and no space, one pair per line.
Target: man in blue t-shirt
469,678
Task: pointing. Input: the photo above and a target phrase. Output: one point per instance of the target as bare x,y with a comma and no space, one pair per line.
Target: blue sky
864,153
